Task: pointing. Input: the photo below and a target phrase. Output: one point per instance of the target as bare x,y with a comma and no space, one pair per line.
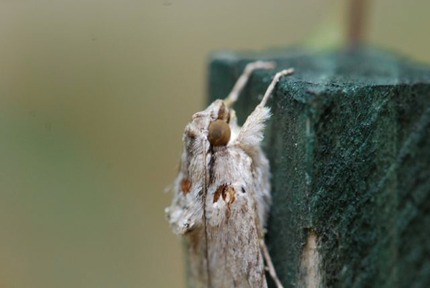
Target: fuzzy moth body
222,193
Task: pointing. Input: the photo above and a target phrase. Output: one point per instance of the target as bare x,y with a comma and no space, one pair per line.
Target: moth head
214,125
219,133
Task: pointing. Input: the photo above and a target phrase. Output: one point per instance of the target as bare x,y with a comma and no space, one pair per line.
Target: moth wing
186,211
233,223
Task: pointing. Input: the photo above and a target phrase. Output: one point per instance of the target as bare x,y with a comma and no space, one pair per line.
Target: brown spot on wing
230,194
186,186
226,192
219,191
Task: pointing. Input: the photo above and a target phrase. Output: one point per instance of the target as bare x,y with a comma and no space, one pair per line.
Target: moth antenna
243,79
272,85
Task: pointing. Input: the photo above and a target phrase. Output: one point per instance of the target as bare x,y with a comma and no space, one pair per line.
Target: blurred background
94,96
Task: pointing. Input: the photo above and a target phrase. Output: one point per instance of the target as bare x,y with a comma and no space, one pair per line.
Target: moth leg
241,82
269,263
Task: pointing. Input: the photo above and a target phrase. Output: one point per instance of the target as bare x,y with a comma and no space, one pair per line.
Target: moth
222,193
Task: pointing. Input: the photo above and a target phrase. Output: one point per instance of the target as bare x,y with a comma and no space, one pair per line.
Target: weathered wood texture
349,145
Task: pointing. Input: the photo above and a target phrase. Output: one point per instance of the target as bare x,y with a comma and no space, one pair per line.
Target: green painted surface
349,144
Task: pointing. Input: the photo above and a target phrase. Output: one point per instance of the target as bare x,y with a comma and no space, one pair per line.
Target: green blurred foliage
94,96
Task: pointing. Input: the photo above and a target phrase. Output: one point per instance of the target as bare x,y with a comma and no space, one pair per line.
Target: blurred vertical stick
356,23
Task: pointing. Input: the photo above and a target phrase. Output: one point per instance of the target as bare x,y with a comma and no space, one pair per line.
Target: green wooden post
349,145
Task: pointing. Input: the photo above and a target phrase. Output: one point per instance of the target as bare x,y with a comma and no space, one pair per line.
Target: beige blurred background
94,96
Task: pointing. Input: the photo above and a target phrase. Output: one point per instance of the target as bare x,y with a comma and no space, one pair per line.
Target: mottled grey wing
234,253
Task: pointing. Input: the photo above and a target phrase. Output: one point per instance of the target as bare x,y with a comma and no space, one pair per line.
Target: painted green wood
349,145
